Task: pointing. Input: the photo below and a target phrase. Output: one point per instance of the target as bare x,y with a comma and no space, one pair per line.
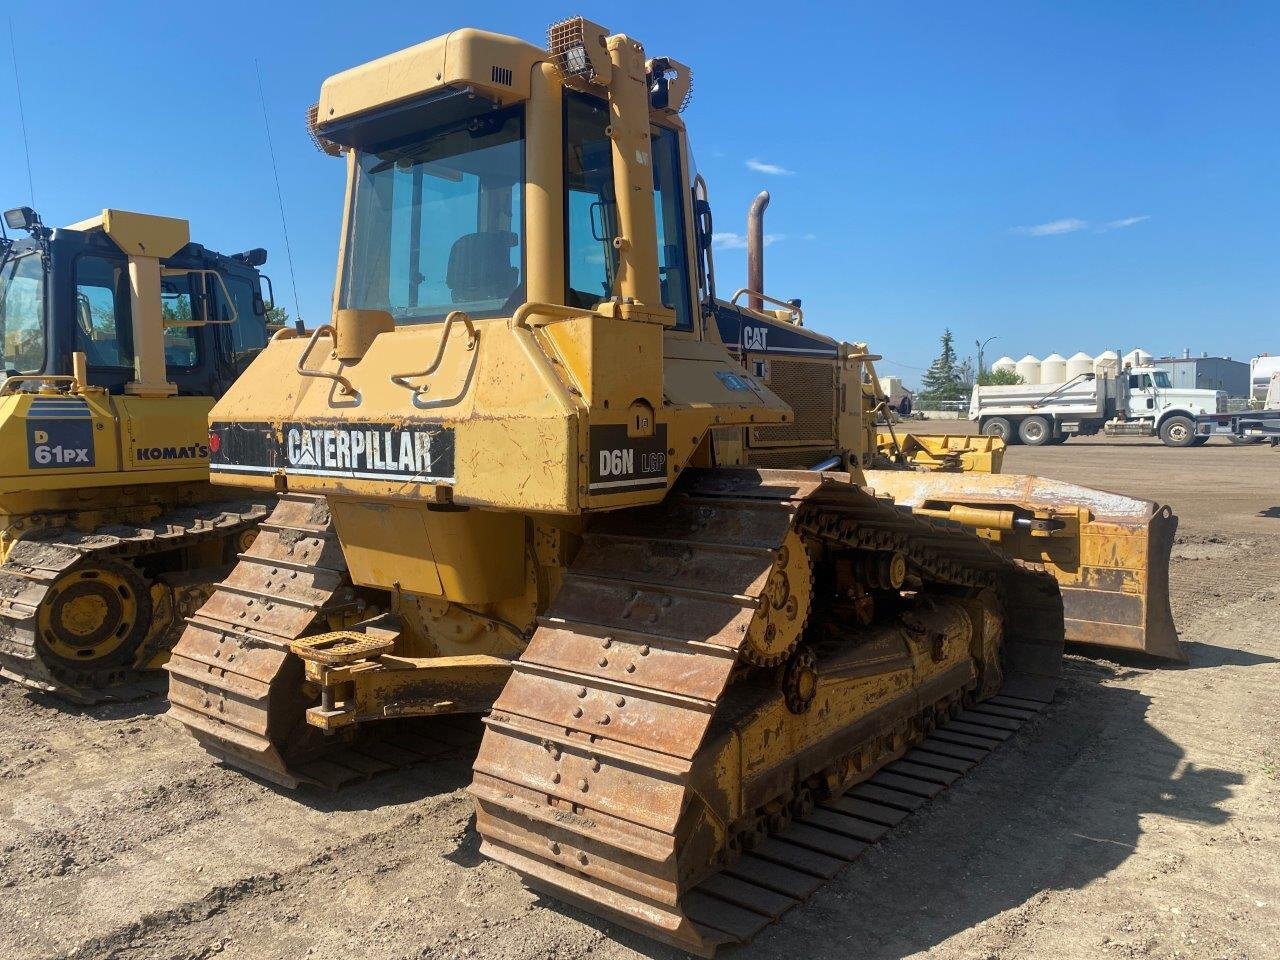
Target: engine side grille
809,387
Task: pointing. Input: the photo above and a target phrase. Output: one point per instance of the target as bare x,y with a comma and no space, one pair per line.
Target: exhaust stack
755,249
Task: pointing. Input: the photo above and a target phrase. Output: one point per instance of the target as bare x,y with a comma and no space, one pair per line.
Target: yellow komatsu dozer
536,467
118,334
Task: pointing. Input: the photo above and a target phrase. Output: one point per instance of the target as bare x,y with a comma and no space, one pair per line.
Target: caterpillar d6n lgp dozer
535,465
118,334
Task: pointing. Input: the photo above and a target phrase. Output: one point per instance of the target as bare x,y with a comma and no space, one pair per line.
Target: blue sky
1061,176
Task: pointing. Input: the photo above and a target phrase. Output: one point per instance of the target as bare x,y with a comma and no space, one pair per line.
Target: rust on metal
636,755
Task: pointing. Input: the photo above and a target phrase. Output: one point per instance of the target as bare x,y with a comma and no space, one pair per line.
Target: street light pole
982,345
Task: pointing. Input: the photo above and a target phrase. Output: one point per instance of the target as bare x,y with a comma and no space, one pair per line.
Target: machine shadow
1058,807
1210,655
446,770
146,702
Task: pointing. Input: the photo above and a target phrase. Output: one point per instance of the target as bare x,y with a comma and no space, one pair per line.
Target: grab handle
473,338
344,385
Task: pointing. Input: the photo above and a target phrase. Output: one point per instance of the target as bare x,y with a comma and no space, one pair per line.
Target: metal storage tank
1079,364
1053,369
1028,368
1137,357
1007,364
1107,364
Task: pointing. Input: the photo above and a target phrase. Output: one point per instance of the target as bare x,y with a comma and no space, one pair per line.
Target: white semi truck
1141,401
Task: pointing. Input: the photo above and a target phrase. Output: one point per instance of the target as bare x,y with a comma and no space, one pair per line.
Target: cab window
178,306
249,332
437,225
22,314
668,208
104,331
591,212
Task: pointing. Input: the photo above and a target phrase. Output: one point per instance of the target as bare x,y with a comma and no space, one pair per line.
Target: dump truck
118,335
522,474
1138,402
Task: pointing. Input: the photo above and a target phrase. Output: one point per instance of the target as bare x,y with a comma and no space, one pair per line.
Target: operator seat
480,267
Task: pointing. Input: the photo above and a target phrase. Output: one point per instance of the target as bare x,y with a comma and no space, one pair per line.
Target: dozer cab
118,334
522,471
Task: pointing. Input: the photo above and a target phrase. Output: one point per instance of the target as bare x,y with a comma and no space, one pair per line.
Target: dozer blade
947,452
644,764
1110,553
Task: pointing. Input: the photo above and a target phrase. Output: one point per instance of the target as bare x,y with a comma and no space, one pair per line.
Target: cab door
1142,395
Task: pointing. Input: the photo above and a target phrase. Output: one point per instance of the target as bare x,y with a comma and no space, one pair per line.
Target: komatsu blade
1110,555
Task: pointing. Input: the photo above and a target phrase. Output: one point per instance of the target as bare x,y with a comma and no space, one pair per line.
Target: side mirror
702,215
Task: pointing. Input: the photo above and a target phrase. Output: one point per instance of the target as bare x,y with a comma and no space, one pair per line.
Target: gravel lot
1137,818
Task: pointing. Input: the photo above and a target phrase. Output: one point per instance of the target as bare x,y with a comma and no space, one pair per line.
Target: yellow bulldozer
535,466
118,334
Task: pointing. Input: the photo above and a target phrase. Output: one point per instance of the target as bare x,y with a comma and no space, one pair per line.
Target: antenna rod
22,116
284,223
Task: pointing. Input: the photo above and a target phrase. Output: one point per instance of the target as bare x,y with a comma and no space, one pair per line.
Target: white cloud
1053,227
1121,224
737,241
772,169
1072,225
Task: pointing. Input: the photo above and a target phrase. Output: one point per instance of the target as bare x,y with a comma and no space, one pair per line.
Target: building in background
1208,373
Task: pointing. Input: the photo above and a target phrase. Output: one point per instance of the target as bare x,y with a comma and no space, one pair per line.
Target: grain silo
1005,365
1107,364
1078,365
1053,369
1028,368
1137,357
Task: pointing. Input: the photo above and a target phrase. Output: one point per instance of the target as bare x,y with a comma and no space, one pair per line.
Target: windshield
22,314
436,225
1162,379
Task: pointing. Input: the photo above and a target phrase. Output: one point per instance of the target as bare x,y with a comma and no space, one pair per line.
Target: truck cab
1171,411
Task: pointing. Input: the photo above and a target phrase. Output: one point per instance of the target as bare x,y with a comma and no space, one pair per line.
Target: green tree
176,308
277,317
999,378
944,380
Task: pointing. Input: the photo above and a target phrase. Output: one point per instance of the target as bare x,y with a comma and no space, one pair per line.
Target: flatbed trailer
1243,426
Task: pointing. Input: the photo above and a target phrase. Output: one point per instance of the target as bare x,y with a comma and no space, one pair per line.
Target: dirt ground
1138,818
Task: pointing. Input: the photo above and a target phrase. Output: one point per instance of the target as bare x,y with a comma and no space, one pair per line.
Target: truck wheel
1035,431
1178,432
1000,428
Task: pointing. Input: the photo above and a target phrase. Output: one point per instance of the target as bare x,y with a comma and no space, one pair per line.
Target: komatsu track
97,581
658,761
